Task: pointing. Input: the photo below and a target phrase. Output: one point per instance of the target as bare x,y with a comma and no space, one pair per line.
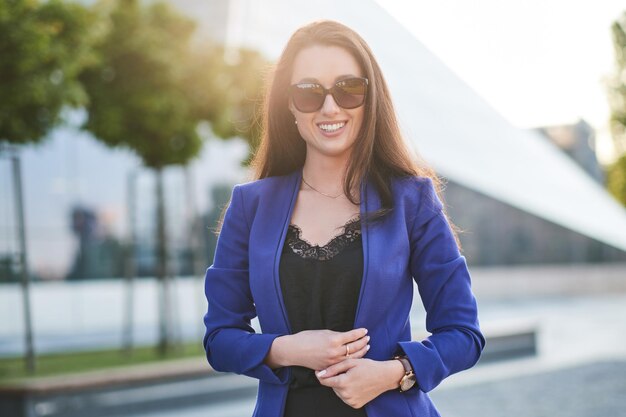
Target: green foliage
617,86
229,95
43,47
137,96
247,97
616,179
68,363
616,175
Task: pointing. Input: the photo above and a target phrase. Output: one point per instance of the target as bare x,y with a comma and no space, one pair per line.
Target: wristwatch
408,380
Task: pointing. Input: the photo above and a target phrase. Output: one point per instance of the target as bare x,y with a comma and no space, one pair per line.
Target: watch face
406,383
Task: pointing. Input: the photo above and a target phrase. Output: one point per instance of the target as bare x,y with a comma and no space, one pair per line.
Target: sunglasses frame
327,91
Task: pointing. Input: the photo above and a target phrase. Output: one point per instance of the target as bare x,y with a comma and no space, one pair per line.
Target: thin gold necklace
315,189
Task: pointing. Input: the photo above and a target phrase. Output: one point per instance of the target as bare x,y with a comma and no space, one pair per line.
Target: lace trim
304,248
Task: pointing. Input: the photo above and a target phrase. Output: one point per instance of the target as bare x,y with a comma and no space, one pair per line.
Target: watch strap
408,369
408,372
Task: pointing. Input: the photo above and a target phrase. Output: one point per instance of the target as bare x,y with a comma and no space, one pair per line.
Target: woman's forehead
324,64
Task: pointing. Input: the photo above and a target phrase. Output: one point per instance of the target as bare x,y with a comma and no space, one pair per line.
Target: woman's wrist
395,373
277,357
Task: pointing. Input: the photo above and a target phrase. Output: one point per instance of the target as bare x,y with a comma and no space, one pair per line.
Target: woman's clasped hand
358,381
339,363
318,349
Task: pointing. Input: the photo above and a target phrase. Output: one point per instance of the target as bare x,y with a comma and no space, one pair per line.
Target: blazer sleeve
230,342
444,285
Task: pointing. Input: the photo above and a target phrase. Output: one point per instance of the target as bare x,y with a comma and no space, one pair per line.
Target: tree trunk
198,263
162,272
25,281
130,267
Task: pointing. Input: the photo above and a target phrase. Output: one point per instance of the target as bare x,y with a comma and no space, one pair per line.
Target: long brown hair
380,151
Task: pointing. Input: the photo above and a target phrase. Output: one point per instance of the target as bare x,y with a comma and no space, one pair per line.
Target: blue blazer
414,242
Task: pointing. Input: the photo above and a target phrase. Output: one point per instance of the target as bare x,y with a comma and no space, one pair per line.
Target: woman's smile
332,129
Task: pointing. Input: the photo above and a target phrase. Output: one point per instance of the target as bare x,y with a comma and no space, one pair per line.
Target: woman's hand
358,381
317,349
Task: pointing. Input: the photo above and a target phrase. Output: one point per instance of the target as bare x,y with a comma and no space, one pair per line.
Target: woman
325,244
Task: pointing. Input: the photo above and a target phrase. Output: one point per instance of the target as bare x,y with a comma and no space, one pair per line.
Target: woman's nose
330,106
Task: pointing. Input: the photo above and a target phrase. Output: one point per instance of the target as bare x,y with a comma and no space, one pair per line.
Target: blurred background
124,125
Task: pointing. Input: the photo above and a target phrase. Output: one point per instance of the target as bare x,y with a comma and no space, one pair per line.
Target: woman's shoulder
412,181
412,185
264,186
416,191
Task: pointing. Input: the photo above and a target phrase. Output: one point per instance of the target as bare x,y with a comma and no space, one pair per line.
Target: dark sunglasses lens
307,97
350,93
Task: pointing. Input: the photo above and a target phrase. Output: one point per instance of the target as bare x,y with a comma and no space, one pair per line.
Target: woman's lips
334,132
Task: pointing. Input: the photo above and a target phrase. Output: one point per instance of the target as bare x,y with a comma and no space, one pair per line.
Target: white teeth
333,127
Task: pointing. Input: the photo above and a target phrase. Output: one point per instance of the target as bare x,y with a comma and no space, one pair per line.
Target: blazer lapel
288,195
370,201
275,229
267,238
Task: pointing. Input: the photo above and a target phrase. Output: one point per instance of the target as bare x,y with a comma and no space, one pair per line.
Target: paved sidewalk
590,390
579,370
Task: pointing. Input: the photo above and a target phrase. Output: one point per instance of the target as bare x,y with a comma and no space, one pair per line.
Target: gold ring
347,350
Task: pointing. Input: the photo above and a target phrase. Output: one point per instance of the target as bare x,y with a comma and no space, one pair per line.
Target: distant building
519,199
578,141
496,233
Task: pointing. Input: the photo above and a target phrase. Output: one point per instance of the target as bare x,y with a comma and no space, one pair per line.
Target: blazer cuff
258,369
426,363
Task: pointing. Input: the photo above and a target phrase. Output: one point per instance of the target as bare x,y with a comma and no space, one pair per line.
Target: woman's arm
444,284
230,342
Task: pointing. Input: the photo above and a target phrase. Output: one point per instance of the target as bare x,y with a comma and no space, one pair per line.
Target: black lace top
320,286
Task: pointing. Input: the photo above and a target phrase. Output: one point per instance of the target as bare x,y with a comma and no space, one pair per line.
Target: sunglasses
348,93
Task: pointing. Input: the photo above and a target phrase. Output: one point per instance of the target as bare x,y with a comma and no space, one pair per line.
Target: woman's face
326,65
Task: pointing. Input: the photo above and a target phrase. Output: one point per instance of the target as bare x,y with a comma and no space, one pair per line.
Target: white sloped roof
455,130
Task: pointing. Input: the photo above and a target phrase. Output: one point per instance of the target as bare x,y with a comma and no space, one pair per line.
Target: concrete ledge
176,384
139,388
128,375
508,340
512,282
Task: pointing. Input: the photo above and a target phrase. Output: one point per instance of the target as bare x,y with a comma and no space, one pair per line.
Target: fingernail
321,373
368,338
365,331
368,347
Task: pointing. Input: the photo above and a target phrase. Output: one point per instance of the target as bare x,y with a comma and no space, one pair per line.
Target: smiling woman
324,245
328,119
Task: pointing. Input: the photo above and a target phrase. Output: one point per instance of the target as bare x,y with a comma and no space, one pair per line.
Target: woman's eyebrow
343,77
315,80
308,80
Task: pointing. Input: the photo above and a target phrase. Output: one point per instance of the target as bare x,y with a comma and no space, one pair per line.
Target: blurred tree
151,89
136,100
239,82
616,179
43,47
616,175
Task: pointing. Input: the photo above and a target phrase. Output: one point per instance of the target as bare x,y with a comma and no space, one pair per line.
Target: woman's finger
352,335
360,353
336,369
350,348
359,344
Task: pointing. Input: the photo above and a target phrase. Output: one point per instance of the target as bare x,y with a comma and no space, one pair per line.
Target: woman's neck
325,174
